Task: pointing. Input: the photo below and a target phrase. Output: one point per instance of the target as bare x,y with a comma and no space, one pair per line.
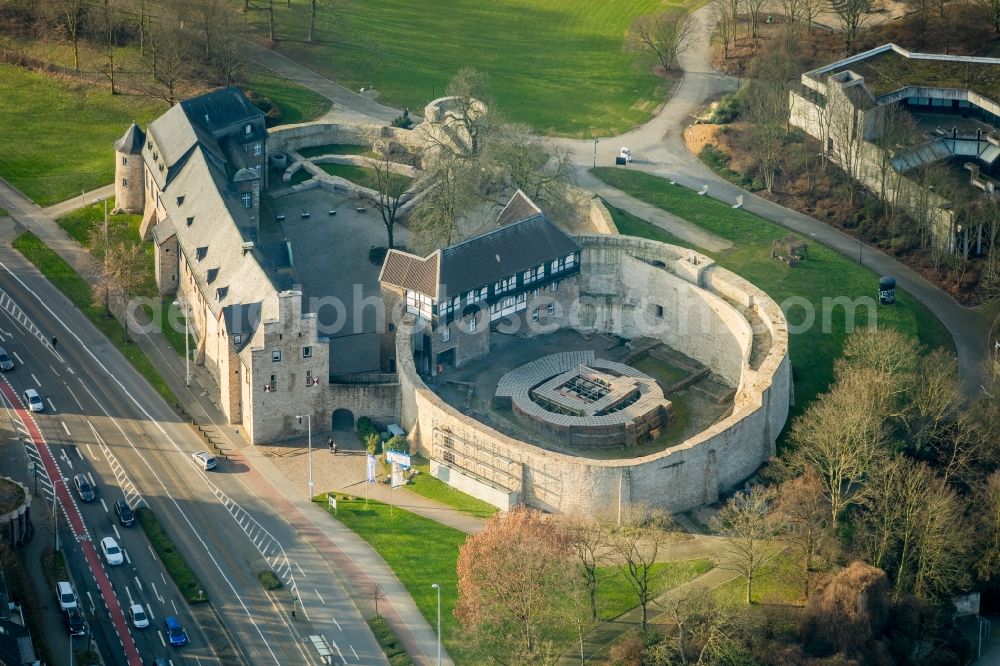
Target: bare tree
449,191
589,541
170,58
697,631
804,514
663,35
389,188
720,13
755,7
988,563
73,17
992,10
470,88
636,543
110,22
519,158
746,522
839,436
312,21
854,15
270,21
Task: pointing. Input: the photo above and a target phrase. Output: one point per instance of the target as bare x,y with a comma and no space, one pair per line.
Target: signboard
397,475
31,470
331,500
401,459
371,468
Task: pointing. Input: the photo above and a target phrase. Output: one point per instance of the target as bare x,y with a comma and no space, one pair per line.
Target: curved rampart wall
685,476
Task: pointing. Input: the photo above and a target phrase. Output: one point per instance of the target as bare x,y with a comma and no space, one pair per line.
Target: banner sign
397,475
401,459
371,468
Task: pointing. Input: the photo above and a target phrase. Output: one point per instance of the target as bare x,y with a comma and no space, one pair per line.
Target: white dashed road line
104,505
319,595
66,429
51,406
36,380
18,358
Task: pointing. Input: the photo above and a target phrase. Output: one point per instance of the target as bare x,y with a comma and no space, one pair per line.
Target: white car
33,400
112,553
66,595
205,459
138,614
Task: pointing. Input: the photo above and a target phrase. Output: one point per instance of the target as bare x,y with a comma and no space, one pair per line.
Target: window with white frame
557,265
476,296
570,260
237,340
307,352
534,315
534,274
276,355
247,199
419,304
449,306
551,309
249,128
256,150
309,378
554,286
472,324
445,334
504,285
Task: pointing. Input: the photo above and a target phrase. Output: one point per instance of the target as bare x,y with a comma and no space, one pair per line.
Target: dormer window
237,340
180,200
221,293
256,150
249,129
190,220
201,252
247,199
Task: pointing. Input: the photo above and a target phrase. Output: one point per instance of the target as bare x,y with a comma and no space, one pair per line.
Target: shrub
627,651
269,580
397,444
728,109
718,161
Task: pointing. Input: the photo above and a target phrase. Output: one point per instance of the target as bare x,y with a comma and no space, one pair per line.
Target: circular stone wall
583,401
15,501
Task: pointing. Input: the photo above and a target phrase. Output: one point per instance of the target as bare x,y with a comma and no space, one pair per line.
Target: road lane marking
62,454
90,477
93,606
90,452
138,583
54,371
78,403
7,333
163,577
66,429
354,651
319,595
151,551
104,505
156,592
36,380
303,573
124,552
129,593
338,651
117,535
18,358
335,622
51,406
78,454
174,605
149,417
160,634
149,612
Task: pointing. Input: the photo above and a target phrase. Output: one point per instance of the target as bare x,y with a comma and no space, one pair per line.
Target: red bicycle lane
79,529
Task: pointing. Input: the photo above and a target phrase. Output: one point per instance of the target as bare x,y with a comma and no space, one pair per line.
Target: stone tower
129,193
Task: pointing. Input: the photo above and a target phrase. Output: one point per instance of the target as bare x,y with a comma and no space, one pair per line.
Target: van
65,595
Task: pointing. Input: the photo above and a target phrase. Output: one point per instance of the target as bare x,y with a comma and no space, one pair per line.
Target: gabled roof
220,109
408,271
131,142
501,253
520,207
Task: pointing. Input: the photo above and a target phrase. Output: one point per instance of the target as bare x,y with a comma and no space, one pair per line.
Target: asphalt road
102,419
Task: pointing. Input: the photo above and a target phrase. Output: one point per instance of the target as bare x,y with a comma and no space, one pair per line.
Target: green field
297,104
365,176
58,135
427,486
336,149
825,274
779,582
557,65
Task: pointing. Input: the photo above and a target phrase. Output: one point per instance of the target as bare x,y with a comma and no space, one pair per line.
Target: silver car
6,362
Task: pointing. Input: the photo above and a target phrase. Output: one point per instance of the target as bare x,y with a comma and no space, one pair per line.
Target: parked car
175,632
124,513
6,362
65,595
112,553
138,616
205,459
33,400
84,489
74,622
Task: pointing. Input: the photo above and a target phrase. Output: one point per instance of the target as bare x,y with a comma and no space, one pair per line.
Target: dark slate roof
520,207
242,319
506,251
131,142
408,271
221,108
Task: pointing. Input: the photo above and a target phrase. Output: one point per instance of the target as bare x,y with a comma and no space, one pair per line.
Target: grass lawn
778,583
297,103
616,597
76,289
420,551
3,212
387,638
336,149
426,485
825,274
173,561
557,65
58,134
364,176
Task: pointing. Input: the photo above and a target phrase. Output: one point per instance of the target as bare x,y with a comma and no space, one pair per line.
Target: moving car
205,459
112,553
74,622
33,400
175,632
65,595
138,615
6,363
84,489
124,513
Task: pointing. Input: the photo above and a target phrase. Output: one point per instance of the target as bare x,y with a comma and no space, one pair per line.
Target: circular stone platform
584,401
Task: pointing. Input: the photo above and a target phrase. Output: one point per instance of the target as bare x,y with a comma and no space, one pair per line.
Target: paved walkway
357,562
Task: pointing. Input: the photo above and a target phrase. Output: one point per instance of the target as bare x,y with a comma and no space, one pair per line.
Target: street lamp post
596,141
308,418
438,589
187,354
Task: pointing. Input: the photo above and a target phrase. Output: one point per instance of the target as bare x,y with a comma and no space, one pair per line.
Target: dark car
124,513
6,363
74,622
176,635
84,489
